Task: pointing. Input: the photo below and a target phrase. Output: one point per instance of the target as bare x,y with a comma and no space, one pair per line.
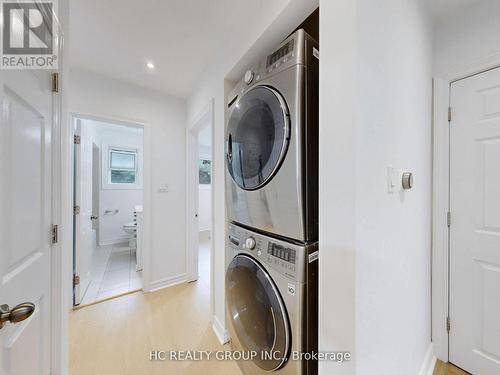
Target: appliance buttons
250,243
248,77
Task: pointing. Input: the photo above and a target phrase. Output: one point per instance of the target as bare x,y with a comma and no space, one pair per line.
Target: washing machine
271,143
271,302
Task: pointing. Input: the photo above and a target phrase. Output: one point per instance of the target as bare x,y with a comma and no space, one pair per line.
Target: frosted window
122,160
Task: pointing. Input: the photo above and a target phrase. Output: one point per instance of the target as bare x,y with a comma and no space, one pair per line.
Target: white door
25,220
83,221
96,187
475,226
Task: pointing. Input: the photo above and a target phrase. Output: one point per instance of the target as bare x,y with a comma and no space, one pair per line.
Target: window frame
200,159
108,184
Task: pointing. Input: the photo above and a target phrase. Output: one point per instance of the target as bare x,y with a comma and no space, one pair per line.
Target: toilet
131,229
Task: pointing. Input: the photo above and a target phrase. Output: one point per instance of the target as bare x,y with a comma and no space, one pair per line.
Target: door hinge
55,82
76,210
449,114
77,139
76,280
55,234
448,219
448,324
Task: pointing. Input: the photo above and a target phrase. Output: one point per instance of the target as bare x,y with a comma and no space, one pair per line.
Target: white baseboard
167,282
429,362
220,331
113,241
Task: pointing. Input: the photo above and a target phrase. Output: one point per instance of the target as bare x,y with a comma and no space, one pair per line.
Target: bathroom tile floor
114,273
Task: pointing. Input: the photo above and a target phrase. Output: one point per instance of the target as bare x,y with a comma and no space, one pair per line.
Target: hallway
115,337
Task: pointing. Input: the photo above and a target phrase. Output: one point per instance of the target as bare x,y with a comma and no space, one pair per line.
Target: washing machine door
257,137
257,313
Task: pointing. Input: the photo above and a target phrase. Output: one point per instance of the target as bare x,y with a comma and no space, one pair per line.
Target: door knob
94,217
17,314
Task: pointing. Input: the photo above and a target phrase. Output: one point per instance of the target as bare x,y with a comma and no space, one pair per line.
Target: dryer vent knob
248,77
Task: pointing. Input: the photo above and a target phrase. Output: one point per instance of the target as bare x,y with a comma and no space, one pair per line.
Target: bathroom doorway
204,203
108,196
200,198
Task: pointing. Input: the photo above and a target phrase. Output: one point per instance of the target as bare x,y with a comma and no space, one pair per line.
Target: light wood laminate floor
115,337
448,369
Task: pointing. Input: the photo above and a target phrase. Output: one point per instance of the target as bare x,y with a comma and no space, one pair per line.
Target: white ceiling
117,37
442,8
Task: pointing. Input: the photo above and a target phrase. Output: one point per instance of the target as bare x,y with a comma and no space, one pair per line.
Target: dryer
271,302
272,143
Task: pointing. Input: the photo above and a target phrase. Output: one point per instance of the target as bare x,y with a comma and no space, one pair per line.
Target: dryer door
257,313
257,137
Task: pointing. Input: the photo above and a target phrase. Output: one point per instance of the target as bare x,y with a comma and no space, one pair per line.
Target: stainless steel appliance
271,301
272,143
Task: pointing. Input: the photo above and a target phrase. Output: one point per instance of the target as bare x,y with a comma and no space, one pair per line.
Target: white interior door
25,222
96,187
195,221
83,222
475,225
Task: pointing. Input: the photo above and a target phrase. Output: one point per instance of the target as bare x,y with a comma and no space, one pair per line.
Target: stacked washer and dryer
272,205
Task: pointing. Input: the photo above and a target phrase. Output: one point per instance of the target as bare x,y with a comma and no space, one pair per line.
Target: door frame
440,260
192,227
147,188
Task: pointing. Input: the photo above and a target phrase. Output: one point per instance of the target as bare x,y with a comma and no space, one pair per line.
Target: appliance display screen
281,252
283,51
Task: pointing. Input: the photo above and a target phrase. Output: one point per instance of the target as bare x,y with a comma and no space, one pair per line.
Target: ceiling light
150,65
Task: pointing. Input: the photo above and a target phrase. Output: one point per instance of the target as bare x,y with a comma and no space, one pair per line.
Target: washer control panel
284,257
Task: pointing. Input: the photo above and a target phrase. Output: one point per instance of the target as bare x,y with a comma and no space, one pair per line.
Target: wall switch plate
392,179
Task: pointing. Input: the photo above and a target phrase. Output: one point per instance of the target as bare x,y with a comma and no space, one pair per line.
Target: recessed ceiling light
150,65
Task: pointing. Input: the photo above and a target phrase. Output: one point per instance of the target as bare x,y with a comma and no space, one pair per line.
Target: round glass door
257,313
257,137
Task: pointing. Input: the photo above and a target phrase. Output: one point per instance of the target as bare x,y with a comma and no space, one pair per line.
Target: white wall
375,112
124,200
466,36
393,230
275,21
164,116
337,180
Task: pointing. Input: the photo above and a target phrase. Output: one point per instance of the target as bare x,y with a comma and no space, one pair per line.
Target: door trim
207,114
441,196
